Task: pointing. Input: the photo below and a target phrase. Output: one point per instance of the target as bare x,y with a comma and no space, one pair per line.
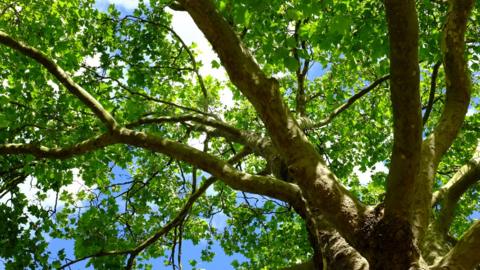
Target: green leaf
291,63
215,64
4,121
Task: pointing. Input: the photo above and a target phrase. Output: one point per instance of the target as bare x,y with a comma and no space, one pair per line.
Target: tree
393,87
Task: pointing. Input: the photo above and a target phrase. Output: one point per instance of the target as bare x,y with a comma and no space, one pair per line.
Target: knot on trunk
388,243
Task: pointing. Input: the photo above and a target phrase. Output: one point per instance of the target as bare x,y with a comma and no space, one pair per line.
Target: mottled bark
405,95
435,245
456,105
339,254
320,187
450,194
39,151
343,232
390,241
330,249
437,241
465,254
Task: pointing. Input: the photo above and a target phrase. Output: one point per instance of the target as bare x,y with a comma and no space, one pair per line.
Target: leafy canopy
146,71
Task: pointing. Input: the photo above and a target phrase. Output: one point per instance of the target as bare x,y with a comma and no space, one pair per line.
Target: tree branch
346,105
213,127
166,228
175,5
187,49
240,65
172,223
10,183
431,96
148,97
450,193
239,134
340,254
301,73
464,255
220,169
62,76
96,255
405,95
331,250
320,186
263,185
255,142
244,72
461,178
458,84
83,147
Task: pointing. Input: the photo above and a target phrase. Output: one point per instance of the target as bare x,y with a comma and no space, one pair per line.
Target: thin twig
431,97
347,104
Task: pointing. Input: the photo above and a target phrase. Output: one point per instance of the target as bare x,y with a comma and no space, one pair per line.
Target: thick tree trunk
435,245
344,233
388,243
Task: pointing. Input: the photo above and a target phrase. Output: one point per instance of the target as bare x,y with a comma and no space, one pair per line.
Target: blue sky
189,251
184,27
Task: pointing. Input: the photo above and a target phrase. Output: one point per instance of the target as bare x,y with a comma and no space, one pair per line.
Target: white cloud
53,85
79,72
471,111
184,26
5,84
197,142
89,61
29,188
188,31
56,89
93,61
226,98
366,177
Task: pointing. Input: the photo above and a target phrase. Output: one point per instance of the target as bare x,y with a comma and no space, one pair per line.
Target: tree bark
325,196
456,105
405,95
390,240
464,256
